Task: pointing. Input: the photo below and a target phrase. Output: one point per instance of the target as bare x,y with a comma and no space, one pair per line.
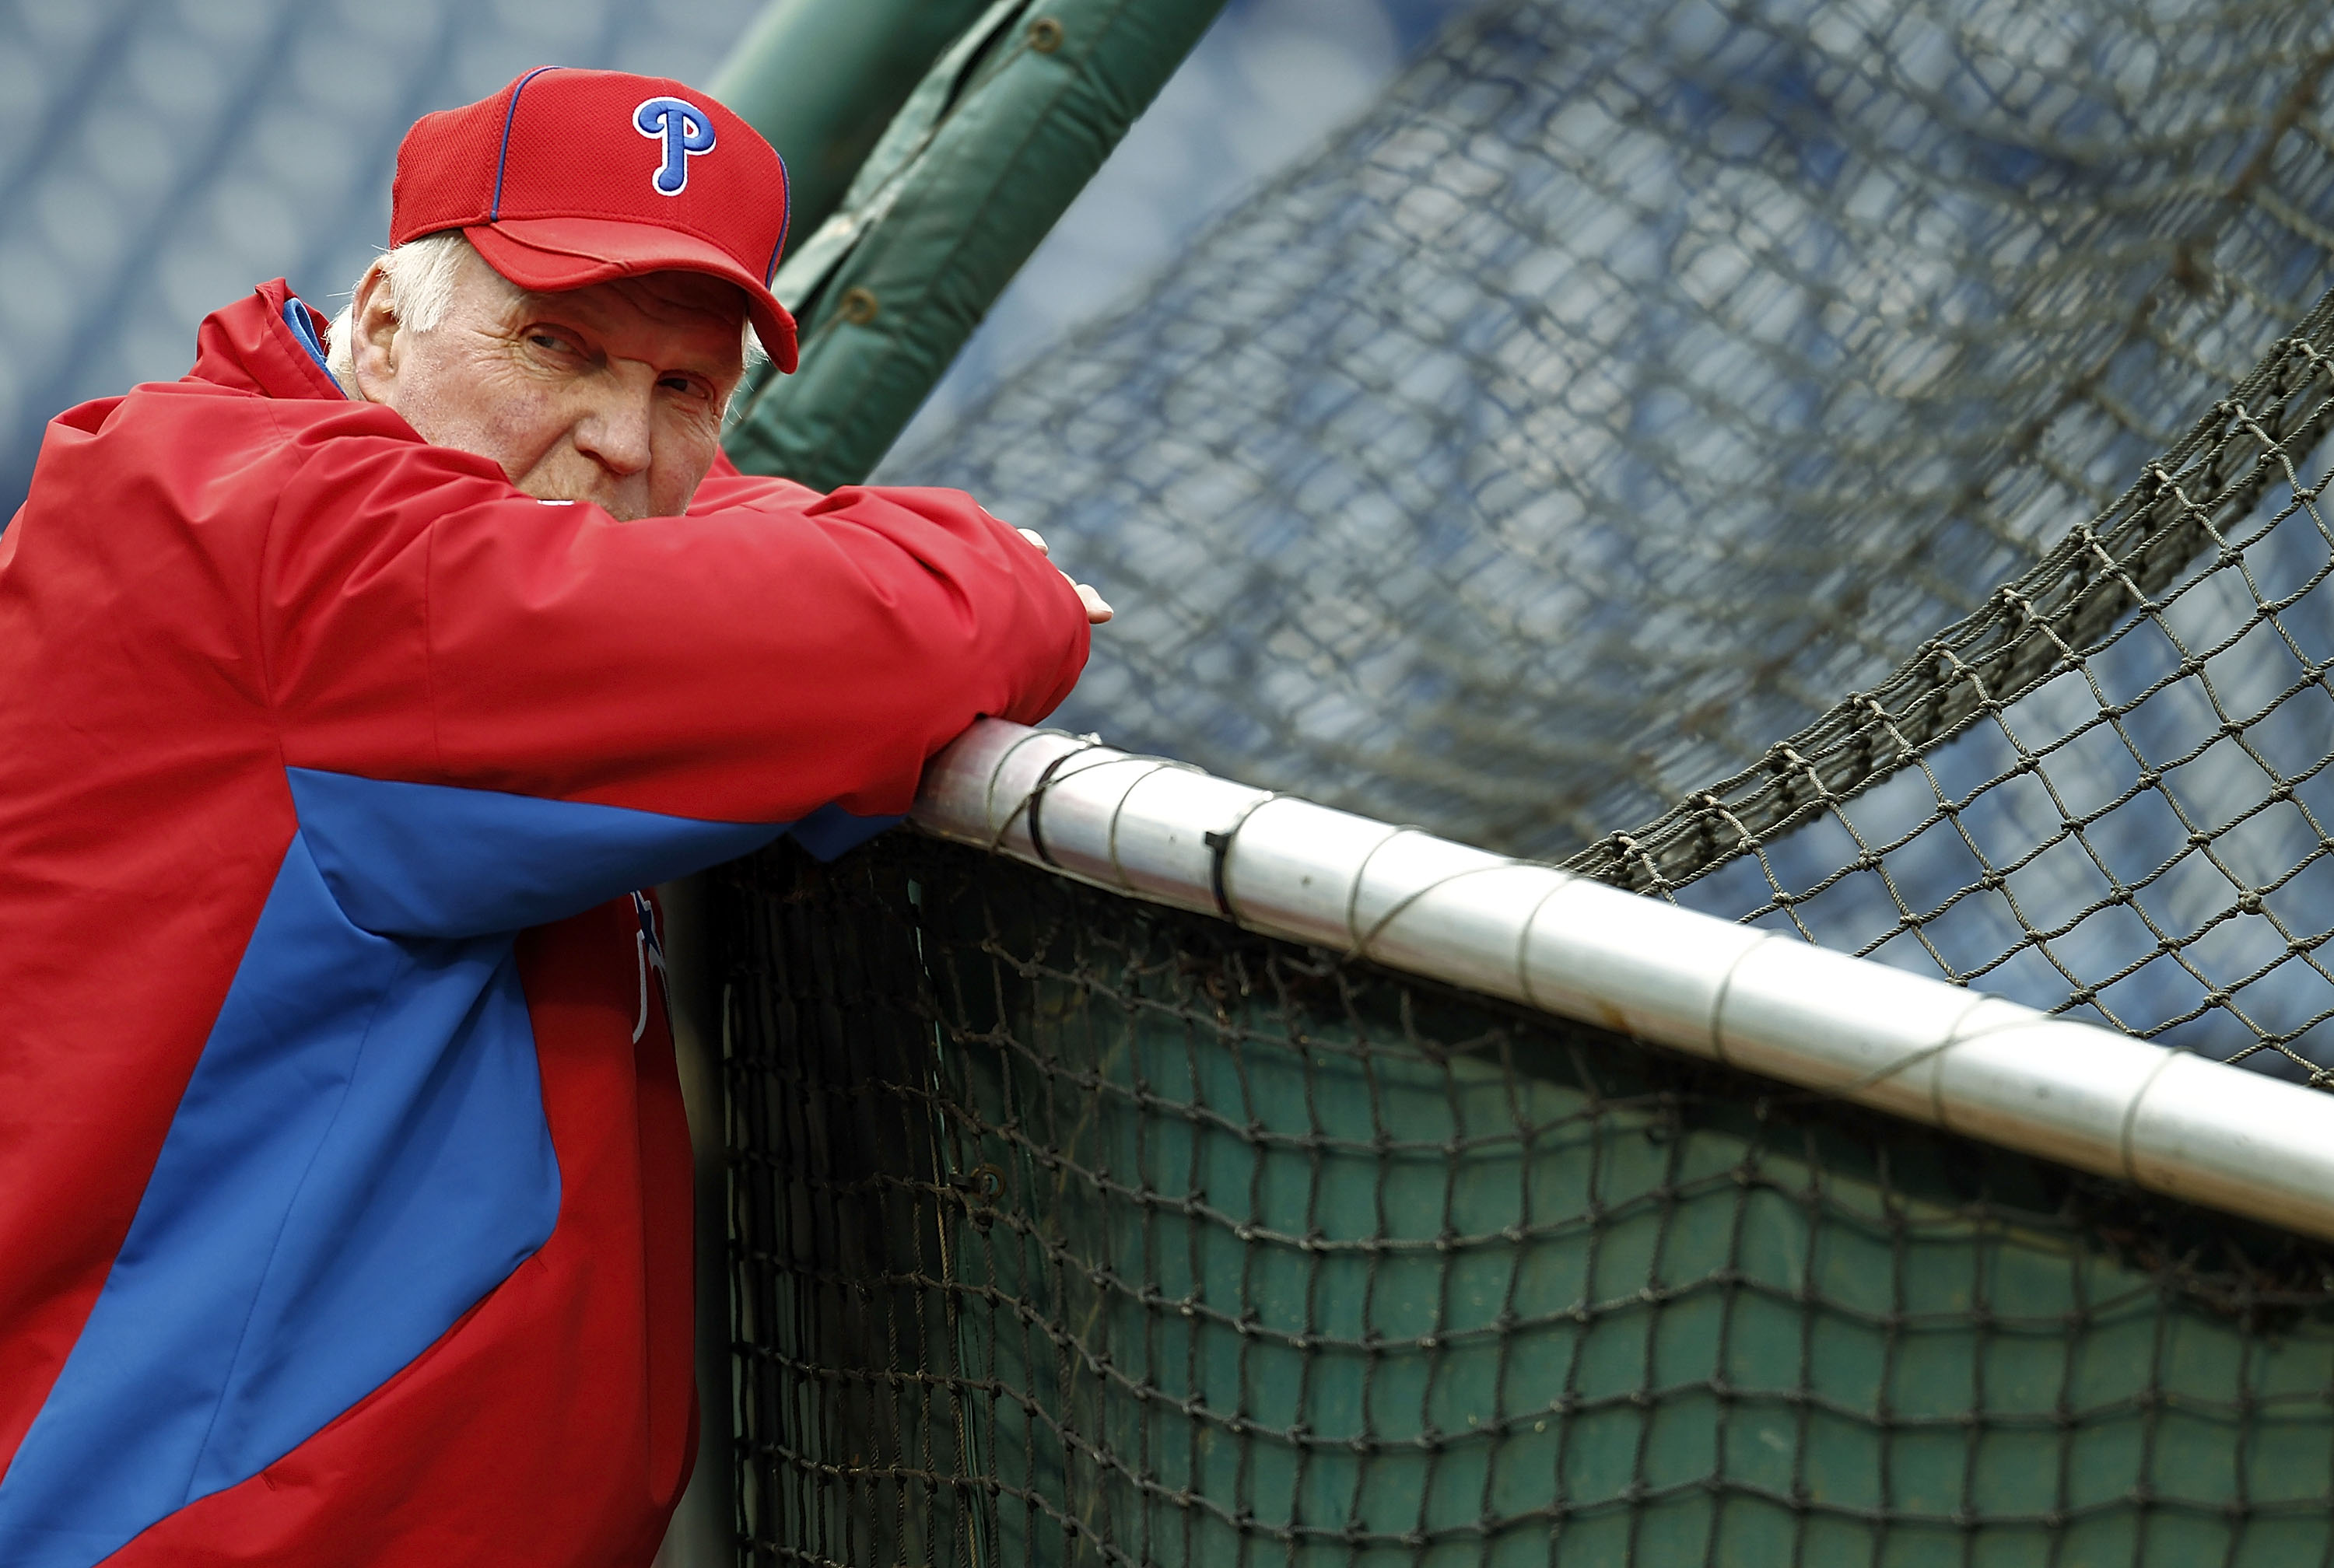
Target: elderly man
351,690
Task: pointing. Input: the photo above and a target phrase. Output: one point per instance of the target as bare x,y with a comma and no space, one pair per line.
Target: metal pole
1904,1044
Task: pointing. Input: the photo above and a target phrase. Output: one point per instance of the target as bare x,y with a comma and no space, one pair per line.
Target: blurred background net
1067,1229
1633,385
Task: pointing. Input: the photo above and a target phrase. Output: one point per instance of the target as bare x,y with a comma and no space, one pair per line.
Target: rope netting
1072,1230
1633,381
2106,792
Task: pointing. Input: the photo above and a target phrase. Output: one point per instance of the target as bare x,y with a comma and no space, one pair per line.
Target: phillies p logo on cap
683,129
550,181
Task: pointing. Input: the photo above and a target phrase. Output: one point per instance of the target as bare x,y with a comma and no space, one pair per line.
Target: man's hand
1098,609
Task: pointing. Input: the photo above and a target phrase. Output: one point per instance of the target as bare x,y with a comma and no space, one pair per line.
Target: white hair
419,277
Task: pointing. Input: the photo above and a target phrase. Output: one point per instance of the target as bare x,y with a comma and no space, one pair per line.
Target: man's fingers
1097,608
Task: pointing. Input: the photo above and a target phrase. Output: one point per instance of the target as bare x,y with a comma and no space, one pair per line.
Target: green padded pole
998,137
820,78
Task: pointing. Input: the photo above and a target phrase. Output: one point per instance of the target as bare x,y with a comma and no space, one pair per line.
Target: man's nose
614,432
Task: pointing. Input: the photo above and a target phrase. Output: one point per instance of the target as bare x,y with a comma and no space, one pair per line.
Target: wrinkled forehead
685,313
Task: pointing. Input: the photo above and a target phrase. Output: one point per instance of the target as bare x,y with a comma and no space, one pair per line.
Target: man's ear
372,337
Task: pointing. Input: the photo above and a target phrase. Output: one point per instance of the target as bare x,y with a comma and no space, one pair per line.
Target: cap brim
550,253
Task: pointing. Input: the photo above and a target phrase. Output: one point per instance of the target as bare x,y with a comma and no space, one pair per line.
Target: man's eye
681,384
548,340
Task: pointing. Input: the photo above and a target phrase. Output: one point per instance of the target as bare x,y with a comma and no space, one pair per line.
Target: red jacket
344,1188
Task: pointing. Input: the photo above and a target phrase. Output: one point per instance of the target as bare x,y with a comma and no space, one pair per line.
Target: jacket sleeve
770,653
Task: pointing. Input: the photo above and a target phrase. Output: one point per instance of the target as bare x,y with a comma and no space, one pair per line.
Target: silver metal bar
1903,1044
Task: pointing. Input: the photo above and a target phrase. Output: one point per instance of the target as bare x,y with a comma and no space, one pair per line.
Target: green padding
821,80
1176,1246
994,143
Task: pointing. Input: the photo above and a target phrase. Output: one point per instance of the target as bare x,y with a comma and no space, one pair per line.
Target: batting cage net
1637,386
1074,1230
1938,385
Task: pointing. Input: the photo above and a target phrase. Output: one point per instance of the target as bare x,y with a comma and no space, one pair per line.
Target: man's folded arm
748,662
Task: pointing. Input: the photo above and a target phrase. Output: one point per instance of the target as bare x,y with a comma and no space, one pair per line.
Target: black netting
1070,1230
1635,380
2108,790
1636,385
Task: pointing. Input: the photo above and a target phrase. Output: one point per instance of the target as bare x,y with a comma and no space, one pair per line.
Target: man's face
611,394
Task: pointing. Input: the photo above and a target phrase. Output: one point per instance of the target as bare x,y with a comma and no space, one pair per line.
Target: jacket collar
255,346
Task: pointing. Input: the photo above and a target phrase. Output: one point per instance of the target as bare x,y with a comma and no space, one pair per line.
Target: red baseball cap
567,178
